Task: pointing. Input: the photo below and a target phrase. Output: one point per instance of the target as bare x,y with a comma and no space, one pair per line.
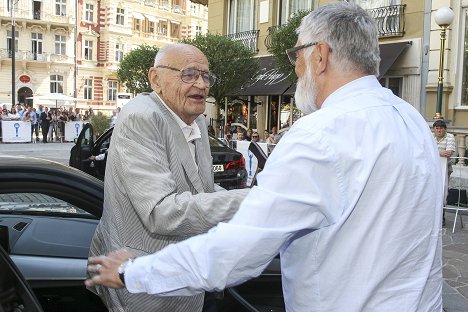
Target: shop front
267,101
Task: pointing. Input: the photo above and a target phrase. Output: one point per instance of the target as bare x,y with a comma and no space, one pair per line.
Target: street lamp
443,17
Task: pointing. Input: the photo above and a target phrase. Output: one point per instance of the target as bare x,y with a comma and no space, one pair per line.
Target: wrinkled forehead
187,58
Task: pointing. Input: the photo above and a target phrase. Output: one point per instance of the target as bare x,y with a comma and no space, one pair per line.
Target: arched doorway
23,95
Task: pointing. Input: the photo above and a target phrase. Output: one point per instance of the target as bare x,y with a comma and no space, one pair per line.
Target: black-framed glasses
190,75
292,53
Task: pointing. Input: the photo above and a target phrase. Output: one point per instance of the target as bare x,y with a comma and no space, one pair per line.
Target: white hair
349,31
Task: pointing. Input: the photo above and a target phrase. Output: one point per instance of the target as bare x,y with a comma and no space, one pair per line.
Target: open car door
79,154
15,293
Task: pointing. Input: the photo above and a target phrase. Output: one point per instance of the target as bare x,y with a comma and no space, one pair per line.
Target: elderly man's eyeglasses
190,75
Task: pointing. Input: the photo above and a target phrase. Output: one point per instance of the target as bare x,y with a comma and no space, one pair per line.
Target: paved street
455,246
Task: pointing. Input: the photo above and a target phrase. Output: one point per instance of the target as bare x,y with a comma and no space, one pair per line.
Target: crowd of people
49,122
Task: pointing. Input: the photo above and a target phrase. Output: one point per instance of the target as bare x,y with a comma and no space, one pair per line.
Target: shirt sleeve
451,146
298,192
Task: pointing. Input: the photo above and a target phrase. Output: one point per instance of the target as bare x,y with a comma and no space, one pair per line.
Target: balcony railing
271,31
34,56
390,20
248,38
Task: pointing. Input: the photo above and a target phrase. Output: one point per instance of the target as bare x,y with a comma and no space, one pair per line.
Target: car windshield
35,203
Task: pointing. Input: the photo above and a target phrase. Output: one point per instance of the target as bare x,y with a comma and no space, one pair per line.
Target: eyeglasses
292,53
254,136
190,75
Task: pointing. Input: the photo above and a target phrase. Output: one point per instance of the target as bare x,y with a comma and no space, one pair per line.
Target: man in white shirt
350,198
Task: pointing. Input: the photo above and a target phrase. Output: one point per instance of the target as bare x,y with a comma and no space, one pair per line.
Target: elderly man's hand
104,269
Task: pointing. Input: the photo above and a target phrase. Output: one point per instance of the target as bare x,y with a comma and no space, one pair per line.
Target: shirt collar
191,132
357,85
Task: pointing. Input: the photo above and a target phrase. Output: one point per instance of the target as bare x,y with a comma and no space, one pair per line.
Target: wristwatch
121,269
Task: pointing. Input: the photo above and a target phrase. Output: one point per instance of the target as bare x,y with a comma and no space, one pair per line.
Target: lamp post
443,17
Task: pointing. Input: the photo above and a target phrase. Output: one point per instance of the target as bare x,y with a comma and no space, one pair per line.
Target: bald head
176,51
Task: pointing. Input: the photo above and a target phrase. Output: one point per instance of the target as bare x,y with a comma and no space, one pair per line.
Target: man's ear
323,51
154,80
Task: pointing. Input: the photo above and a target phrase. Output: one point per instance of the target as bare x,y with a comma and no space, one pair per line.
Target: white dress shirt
351,197
191,132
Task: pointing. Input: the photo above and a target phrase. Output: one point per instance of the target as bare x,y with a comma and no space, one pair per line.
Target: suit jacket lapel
184,154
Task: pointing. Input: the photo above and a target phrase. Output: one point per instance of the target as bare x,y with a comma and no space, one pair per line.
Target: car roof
26,174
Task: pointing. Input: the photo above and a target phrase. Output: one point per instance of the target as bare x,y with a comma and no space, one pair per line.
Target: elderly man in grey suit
159,185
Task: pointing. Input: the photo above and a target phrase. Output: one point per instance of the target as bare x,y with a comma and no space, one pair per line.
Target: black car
228,164
48,215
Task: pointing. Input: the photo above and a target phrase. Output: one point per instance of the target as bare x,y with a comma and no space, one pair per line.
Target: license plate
218,168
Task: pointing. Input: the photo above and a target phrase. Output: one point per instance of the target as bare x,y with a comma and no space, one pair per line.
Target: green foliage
100,123
133,69
285,38
231,62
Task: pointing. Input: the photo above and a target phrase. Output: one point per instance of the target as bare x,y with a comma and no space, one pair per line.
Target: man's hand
104,269
446,153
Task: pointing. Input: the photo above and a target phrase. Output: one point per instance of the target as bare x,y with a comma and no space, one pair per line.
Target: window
61,7
60,45
289,7
150,27
241,15
175,30
392,83
88,89
464,88
119,52
10,43
198,30
112,90
88,50
162,29
36,45
120,16
56,84
89,12
136,25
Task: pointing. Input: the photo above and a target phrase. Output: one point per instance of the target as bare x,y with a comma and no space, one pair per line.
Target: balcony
271,31
390,20
248,38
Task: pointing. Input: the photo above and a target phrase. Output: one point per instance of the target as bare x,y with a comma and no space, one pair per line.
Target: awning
152,18
138,16
388,55
269,80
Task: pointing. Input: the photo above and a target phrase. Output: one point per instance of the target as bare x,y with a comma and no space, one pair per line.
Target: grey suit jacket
154,195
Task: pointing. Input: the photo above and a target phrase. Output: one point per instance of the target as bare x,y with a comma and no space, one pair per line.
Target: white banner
72,130
16,131
250,160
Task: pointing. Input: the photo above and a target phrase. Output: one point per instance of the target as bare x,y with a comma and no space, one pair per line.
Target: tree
285,38
133,69
100,123
231,62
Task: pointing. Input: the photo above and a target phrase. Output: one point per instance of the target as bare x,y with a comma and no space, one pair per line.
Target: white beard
306,93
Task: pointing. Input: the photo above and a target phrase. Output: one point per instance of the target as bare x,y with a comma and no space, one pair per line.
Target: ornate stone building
48,33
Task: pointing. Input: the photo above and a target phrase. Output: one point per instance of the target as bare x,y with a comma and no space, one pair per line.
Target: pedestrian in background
350,198
447,146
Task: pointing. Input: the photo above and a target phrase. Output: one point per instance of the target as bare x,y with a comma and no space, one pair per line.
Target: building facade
268,101
74,47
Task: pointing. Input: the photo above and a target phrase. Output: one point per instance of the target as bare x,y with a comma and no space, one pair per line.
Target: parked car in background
228,164
48,215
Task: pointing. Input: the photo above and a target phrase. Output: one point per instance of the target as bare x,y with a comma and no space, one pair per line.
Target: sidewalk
455,265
